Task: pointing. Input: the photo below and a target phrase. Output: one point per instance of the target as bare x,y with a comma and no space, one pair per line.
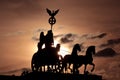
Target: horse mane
90,49
74,49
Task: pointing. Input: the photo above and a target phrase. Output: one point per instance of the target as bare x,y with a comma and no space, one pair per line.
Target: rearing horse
86,59
70,59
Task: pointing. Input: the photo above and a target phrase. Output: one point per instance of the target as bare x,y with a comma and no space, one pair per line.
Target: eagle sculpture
52,13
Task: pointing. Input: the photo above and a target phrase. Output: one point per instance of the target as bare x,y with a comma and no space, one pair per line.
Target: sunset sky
87,22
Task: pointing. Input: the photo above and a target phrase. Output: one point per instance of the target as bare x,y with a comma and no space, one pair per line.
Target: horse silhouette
78,61
45,57
69,59
86,59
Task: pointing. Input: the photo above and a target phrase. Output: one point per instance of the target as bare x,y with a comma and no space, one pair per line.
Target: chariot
47,59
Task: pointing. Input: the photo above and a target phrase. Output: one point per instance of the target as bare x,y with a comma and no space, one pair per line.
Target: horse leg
61,70
55,68
43,68
37,68
52,68
74,68
93,66
40,68
59,66
69,67
85,68
63,66
48,67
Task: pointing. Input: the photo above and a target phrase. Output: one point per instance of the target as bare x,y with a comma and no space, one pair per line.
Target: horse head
91,49
77,46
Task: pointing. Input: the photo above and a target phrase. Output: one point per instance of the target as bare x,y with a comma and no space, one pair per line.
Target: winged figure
52,13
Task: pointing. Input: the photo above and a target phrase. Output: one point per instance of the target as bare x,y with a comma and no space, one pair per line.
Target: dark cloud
36,34
107,52
35,38
84,35
111,42
94,36
102,35
68,38
40,30
58,36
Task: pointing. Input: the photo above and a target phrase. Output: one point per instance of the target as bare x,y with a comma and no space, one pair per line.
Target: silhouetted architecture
49,57
46,64
51,76
46,61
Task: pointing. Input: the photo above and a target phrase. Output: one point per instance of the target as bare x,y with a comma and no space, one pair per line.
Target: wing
56,12
48,11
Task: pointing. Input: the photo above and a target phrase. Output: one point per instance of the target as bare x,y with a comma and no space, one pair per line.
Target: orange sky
21,20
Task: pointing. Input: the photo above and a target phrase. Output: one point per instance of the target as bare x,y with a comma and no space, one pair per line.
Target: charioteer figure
41,41
49,42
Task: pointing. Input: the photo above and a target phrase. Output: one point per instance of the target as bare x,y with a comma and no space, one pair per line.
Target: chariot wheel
34,66
58,66
55,68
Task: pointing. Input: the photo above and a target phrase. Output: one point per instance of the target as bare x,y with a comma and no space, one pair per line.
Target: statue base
59,76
